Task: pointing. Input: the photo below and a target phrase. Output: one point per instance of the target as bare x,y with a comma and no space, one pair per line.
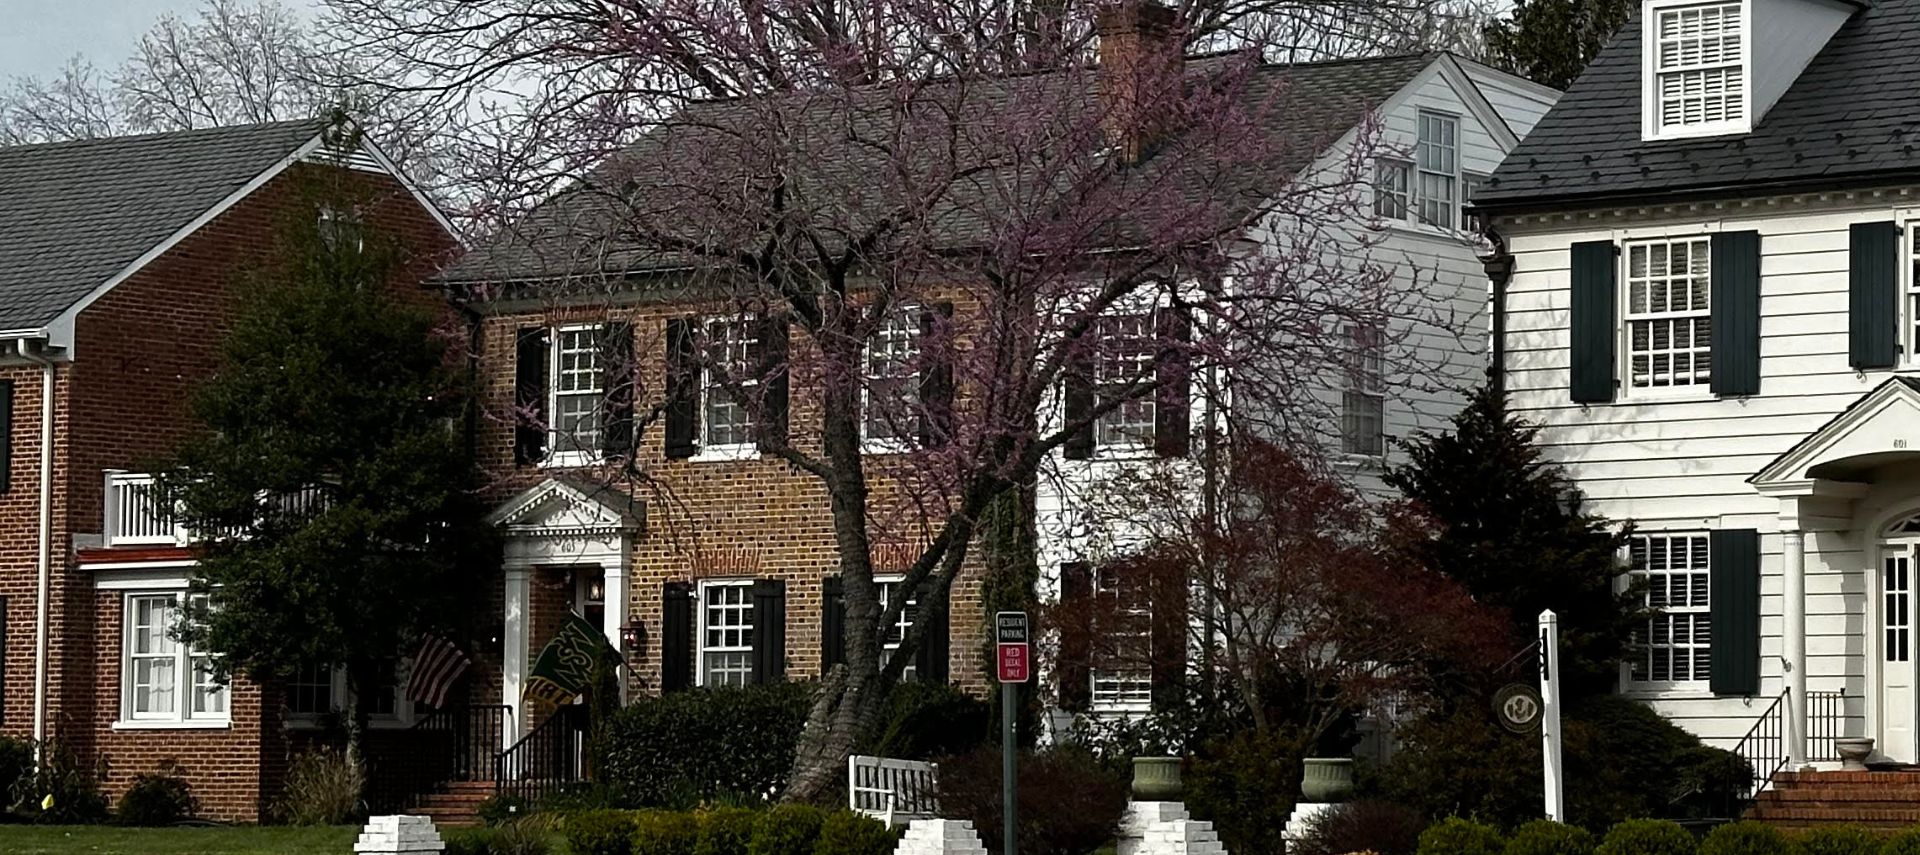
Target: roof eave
1537,204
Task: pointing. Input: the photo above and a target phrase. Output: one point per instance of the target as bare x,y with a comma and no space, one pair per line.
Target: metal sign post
1550,715
1012,658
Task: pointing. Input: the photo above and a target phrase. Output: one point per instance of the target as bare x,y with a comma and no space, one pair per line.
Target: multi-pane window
1699,68
318,690
1912,335
1363,404
310,692
1470,184
896,631
1392,189
1124,360
893,378
726,633
1122,670
1437,154
578,388
1669,324
731,370
165,679
1896,585
1677,642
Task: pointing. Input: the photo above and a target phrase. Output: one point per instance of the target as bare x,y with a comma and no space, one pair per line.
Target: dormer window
1696,70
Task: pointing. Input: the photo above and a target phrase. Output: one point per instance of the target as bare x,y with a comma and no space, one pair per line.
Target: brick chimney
1141,53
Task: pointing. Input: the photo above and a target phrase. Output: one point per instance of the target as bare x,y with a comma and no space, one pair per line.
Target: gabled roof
1870,432
73,215
561,505
1852,117
1308,105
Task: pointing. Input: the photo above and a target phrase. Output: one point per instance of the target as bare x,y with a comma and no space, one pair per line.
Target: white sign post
1550,715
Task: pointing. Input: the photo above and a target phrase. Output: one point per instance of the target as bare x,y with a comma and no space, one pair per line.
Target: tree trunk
359,684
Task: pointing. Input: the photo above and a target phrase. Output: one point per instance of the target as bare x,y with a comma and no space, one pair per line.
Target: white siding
1682,462
1519,102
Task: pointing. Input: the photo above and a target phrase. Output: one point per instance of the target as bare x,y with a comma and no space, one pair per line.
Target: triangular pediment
560,506
1882,427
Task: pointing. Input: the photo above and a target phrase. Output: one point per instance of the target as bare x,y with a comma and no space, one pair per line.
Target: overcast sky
37,36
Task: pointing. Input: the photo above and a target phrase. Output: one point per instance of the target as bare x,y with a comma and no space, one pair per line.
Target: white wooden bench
891,790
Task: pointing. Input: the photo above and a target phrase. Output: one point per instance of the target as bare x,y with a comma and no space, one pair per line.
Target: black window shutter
676,636
6,435
1076,636
1592,333
1172,427
620,377
683,389
936,380
1873,299
530,395
833,624
1735,610
772,429
1077,401
769,631
930,658
1169,614
1735,272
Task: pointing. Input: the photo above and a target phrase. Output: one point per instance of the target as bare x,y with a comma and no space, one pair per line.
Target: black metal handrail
547,759
1826,723
458,743
1765,746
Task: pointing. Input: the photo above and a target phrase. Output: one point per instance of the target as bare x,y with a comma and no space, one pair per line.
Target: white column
615,573
1794,552
513,657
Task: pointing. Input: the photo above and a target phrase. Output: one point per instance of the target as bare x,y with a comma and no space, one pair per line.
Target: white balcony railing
134,516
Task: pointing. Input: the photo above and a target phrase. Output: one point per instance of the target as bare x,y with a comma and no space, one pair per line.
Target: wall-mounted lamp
633,640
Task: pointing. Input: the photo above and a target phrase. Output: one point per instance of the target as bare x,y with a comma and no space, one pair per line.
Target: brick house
573,317
115,276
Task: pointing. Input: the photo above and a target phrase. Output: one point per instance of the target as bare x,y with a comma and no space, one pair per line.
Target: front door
1898,702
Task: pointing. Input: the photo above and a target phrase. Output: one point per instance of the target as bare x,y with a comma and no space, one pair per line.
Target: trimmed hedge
660,832
1903,843
1647,837
725,831
688,748
789,829
848,833
1746,838
779,830
1456,836
1838,840
1546,837
599,832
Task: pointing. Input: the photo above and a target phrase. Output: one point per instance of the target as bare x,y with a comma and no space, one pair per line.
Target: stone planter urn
1156,779
1326,779
1853,751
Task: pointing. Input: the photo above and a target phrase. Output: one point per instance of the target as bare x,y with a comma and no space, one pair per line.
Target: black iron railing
458,743
1826,723
1765,746
547,759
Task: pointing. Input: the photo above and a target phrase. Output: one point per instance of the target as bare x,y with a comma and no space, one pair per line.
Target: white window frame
1113,422
340,701
1651,73
1397,181
566,452
1132,687
1450,174
1393,189
1701,386
1365,386
906,317
1697,610
187,677
745,627
885,586
1909,309
707,451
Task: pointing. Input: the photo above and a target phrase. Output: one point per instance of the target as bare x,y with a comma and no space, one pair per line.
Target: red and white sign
1013,662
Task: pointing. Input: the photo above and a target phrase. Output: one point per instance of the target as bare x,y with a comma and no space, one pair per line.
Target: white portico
1849,494
580,537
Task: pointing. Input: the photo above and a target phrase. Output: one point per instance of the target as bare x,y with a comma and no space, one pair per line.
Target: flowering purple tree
1068,239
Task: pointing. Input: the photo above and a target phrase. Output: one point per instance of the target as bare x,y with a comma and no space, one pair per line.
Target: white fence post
1550,715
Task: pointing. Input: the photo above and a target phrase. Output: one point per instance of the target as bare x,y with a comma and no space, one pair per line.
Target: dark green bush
599,832
663,832
1382,828
502,808
1902,843
1070,803
1838,840
684,748
579,797
468,841
923,721
786,829
1745,838
725,831
16,761
72,785
1456,836
1245,784
1546,837
513,838
1647,837
844,832
155,800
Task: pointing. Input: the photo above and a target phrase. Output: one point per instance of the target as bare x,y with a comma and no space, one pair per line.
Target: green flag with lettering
567,667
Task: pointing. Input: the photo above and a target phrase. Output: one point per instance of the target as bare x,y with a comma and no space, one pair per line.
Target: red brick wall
138,352
762,515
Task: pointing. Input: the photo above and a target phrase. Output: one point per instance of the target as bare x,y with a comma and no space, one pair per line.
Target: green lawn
237,840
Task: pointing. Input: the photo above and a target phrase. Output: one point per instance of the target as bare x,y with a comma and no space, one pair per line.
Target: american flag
436,668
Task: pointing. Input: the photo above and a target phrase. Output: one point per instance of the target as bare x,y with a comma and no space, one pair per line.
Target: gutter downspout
44,560
1499,266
